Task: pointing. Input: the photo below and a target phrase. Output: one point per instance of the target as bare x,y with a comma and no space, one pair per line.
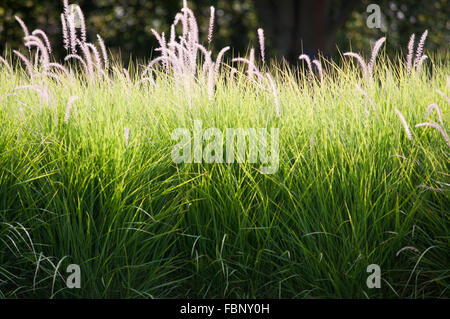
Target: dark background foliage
291,26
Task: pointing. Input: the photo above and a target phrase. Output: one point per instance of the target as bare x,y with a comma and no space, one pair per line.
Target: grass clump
87,178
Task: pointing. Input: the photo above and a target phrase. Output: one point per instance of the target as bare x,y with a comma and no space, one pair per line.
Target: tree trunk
303,26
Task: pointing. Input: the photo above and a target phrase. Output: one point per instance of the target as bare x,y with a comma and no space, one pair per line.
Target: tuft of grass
86,176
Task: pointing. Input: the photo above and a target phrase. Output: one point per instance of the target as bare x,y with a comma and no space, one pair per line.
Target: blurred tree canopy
291,26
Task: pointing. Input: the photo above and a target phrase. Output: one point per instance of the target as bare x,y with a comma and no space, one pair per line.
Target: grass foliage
353,187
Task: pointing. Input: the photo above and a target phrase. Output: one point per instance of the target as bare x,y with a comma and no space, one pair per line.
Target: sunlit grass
351,190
